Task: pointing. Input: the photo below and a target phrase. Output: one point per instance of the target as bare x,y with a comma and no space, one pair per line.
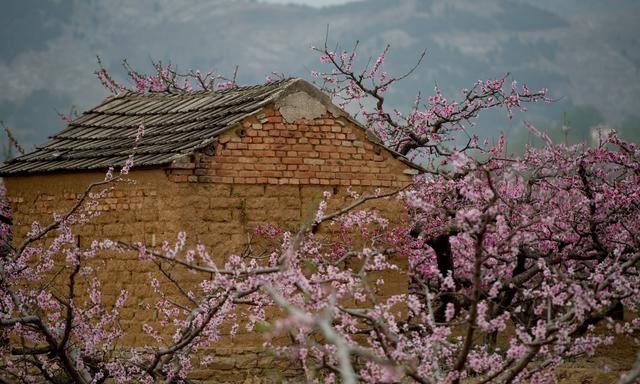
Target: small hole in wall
377,150
209,151
241,132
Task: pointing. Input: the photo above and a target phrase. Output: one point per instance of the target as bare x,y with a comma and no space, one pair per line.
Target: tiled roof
175,125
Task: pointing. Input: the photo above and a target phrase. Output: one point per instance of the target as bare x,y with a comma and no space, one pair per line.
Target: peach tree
513,260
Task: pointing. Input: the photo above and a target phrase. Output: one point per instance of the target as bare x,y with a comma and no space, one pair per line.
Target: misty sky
311,3
586,52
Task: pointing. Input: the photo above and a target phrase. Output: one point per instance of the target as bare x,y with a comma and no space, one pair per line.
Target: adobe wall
272,171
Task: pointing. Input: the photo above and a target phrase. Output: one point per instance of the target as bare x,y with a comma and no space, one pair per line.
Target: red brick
324,148
264,167
314,161
291,160
249,173
183,166
302,175
302,147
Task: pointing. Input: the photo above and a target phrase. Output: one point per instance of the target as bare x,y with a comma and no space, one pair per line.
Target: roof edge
294,98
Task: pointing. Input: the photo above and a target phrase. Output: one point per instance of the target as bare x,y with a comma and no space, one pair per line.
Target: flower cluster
164,79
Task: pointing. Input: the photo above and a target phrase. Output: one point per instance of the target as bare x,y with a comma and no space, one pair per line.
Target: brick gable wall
266,149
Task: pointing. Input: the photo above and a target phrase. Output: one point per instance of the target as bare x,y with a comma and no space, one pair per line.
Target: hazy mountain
586,52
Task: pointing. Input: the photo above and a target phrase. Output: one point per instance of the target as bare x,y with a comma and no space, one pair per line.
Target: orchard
513,260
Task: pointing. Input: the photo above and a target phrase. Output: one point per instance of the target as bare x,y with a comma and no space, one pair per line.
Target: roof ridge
203,91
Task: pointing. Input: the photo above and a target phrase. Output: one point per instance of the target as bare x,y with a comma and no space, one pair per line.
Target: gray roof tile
175,124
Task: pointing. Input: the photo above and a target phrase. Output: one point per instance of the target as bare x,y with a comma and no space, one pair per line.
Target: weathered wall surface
272,171
267,149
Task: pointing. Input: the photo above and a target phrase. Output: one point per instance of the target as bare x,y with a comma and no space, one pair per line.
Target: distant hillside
586,53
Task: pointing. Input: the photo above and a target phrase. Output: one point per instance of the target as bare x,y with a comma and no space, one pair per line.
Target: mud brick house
213,164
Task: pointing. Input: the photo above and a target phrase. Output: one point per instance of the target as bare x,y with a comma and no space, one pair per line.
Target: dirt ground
605,367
